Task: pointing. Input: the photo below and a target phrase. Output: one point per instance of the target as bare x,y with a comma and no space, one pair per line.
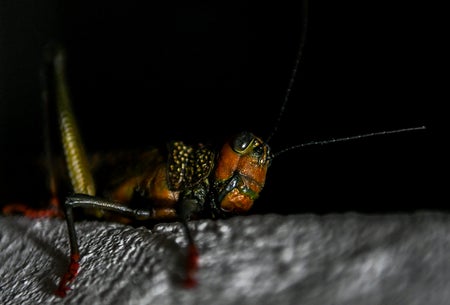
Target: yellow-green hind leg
75,155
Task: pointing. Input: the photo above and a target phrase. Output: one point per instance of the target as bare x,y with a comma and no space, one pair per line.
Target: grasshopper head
241,172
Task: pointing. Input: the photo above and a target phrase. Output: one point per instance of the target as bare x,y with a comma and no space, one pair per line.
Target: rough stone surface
261,259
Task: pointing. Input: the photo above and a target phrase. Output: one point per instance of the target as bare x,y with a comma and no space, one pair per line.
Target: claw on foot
191,267
69,276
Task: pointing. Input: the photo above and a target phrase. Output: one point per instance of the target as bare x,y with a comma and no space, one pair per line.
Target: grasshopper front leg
88,201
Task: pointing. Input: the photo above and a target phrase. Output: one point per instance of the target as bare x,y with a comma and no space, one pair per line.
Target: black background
201,71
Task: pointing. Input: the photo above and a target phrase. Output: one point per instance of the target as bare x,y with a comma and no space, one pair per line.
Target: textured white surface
260,259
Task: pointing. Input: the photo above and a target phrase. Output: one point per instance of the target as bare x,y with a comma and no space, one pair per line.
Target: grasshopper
178,183
185,182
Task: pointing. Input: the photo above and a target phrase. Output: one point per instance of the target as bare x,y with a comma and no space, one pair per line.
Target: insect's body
137,180
193,180
134,179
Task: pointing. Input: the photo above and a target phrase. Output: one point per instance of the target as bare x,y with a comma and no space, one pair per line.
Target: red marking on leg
54,202
22,209
69,276
14,208
191,267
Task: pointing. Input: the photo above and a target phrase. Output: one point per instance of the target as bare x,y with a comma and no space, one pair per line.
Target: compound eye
242,141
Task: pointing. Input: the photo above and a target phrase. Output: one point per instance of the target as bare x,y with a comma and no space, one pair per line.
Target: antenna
304,17
351,138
